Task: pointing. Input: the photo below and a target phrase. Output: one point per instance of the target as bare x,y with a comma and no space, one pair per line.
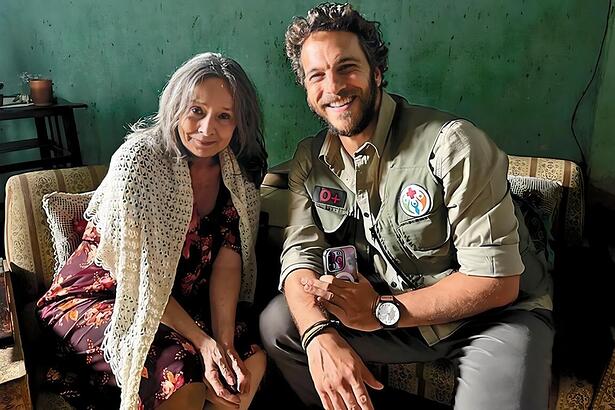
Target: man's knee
276,325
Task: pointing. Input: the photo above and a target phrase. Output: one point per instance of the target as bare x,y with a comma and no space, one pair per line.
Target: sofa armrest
14,388
27,239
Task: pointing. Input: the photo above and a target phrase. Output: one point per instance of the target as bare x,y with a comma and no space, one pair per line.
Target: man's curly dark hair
336,17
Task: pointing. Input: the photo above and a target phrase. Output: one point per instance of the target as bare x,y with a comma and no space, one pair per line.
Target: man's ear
378,76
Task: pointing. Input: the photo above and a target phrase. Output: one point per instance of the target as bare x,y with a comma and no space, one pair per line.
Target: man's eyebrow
307,74
342,60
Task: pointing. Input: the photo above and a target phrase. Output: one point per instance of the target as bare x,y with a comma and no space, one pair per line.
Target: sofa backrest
27,239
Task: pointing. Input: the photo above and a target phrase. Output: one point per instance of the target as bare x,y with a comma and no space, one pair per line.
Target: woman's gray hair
247,142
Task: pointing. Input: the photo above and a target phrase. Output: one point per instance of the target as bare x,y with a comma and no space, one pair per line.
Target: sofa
30,258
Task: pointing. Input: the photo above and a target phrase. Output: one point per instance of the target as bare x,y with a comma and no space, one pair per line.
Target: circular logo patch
415,200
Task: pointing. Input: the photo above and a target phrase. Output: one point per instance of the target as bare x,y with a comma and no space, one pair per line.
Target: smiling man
446,269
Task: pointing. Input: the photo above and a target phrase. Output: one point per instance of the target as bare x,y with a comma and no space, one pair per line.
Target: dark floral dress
79,304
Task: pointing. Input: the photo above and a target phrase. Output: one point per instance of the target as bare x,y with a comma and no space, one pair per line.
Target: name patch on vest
415,200
329,196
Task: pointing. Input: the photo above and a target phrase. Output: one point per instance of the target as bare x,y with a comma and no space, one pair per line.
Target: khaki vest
415,241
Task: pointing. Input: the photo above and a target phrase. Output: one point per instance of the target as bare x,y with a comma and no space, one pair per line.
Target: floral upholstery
605,397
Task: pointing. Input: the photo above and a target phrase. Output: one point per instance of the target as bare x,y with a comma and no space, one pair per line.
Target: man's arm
303,244
303,307
338,373
458,296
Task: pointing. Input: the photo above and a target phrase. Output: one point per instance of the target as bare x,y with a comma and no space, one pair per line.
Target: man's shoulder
422,114
310,146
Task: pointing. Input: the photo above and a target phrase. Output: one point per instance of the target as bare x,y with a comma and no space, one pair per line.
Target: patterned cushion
543,195
605,398
569,225
433,380
538,200
570,393
66,222
28,244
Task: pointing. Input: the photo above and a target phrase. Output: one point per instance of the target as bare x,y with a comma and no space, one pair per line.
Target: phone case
341,261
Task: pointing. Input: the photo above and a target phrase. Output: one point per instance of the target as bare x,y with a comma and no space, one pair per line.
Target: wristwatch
387,311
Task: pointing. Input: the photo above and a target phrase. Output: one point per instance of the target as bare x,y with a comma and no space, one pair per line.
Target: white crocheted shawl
142,210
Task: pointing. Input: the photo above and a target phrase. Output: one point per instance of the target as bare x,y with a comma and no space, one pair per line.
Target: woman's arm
178,319
224,294
214,354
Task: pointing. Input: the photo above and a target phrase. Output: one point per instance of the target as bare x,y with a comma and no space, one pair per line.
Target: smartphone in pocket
341,261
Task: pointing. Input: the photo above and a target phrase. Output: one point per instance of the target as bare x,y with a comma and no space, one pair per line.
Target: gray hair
247,142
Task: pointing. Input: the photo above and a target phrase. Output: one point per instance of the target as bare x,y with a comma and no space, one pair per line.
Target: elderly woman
150,299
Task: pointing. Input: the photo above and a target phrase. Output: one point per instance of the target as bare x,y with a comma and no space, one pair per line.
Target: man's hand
352,303
339,374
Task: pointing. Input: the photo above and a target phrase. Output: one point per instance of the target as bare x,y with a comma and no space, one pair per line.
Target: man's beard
367,112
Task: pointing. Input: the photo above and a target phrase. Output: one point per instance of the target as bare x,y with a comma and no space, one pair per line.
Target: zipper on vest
414,284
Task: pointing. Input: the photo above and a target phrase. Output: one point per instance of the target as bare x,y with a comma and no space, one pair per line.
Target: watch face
387,313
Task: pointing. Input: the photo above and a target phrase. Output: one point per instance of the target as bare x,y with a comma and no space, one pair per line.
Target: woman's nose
206,125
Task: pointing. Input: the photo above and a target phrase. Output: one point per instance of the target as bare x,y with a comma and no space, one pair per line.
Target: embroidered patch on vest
329,196
415,200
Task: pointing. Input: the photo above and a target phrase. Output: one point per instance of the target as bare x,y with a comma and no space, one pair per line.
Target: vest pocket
428,235
331,218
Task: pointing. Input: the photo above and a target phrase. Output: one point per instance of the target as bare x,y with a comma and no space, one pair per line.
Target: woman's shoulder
142,146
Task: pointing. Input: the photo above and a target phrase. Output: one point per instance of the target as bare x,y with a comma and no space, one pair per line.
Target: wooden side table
14,388
56,136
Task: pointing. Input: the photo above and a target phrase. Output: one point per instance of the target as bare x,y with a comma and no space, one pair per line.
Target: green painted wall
516,68
602,157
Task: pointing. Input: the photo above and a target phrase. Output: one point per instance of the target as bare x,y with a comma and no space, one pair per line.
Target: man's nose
334,83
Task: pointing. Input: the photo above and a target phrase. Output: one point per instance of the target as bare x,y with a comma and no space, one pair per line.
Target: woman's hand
242,373
218,366
217,401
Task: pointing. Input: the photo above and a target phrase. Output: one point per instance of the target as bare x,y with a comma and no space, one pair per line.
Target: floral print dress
79,304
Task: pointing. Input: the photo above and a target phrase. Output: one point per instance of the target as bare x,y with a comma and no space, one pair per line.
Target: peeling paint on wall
516,69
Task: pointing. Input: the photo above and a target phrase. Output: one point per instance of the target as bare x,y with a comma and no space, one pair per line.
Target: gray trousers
502,358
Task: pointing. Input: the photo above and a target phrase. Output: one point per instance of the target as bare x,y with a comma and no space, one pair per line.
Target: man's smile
341,104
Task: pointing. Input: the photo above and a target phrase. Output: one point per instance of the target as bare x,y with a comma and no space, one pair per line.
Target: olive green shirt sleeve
304,242
473,171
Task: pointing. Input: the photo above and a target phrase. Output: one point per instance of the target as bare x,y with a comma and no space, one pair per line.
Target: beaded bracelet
314,330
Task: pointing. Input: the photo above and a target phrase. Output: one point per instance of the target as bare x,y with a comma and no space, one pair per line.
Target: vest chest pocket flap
331,218
331,202
427,235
